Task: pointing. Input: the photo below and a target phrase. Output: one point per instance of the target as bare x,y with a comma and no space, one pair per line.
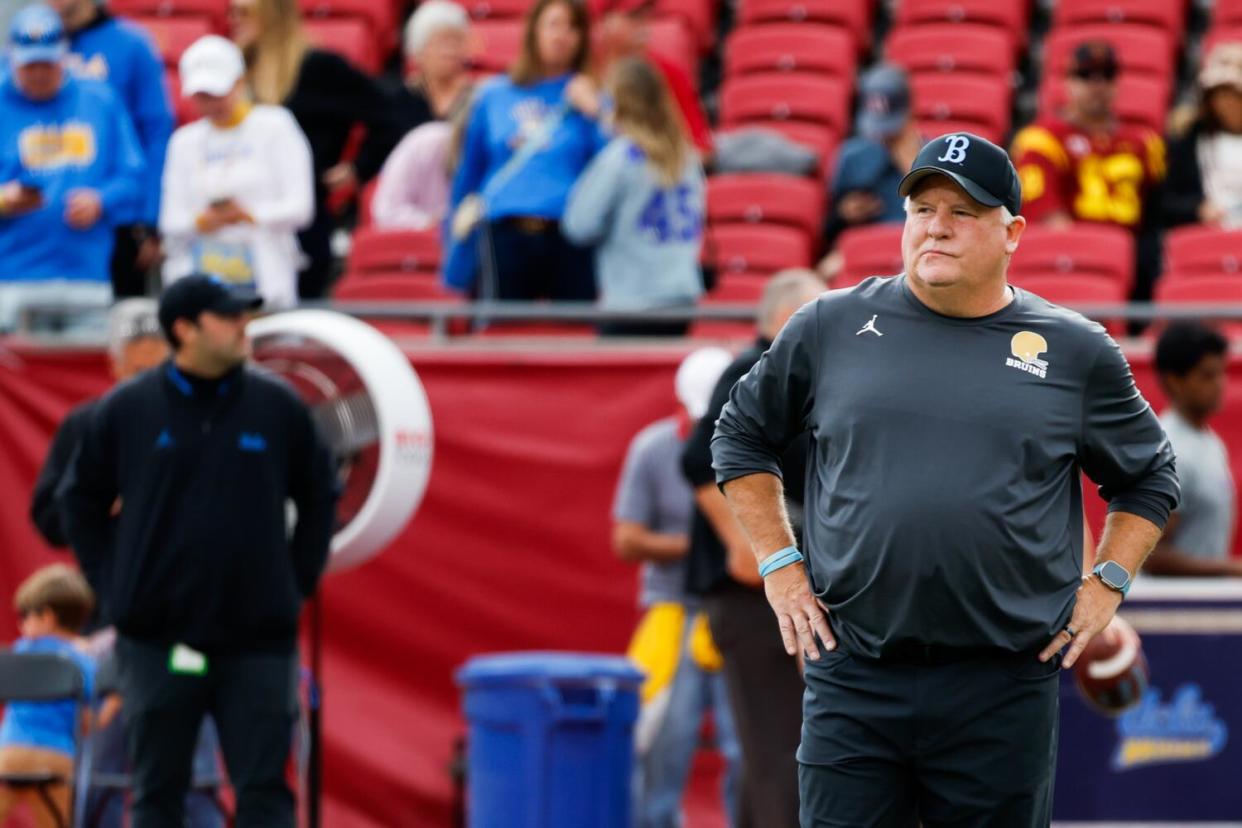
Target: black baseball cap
980,167
1094,58
189,296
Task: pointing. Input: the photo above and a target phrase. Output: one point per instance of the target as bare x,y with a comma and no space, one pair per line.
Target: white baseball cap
212,65
697,377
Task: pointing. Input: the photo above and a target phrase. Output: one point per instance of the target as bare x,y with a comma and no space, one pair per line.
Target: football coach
951,414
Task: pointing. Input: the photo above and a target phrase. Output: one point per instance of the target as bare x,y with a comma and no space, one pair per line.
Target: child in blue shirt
53,604
544,99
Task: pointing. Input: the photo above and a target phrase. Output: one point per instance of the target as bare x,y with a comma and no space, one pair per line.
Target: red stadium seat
495,44
1074,291
964,100
407,287
1227,13
377,14
214,10
762,198
796,96
733,289
1196,250
1140,100
758,248
852,15
1141,50
871,250
1204,290
698,15
1012,16
387,251
350,37
1167,16
948,47
1084,249
539,329
787,47
173,35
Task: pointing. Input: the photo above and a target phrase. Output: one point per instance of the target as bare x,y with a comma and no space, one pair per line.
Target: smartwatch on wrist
1114,576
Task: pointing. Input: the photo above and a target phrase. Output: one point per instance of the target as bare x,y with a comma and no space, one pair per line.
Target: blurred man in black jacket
765,688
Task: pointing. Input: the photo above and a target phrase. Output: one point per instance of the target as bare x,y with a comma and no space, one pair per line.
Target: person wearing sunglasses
1084,164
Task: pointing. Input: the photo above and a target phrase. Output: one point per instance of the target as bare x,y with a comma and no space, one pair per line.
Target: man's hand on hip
800,616
1094,609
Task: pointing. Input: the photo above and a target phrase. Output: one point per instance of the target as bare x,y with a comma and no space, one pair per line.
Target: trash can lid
569,668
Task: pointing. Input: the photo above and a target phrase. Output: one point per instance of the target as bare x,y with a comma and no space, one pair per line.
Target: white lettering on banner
957,145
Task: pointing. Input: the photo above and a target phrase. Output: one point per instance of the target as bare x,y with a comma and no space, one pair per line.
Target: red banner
509,550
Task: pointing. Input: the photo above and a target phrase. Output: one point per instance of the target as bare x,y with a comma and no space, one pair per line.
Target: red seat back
397,287
495,44
1096,250
1076,290
871,250
1011,16
758,248
1141,100
796,96
1140,50
1196,250
173,35
350,37
952,48
386,251
1168,16
961,100
377,15
762,198
215,11
786,47
852,15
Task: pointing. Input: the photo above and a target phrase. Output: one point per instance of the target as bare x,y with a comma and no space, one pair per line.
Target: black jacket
1183,186
705,567
199,552
330,96
44,512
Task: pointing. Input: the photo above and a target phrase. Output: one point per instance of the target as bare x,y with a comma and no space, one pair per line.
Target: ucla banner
1177,755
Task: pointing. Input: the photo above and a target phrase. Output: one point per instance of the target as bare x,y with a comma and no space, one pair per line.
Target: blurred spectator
437,43
1205,156
104,48
642,203
764,684
871,164
70,171
237,183
529,136
40,737
135,344
414,184
1190,361
624,32
651,525
1086,165
203,457
328,96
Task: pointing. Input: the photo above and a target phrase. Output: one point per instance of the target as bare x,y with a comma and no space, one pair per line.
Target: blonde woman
327,96
641,202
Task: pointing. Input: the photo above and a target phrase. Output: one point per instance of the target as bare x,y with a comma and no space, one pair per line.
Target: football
1111,673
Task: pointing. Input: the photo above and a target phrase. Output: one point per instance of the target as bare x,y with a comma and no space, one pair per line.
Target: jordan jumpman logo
870,326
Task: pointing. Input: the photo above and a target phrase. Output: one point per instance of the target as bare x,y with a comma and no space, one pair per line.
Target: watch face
1114,574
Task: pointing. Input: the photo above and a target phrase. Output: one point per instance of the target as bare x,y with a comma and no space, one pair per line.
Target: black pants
765,692
316,243
963,743
253,698
532,260
127,278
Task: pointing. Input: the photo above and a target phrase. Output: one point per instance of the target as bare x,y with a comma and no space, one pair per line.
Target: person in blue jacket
71,170
119,53
546,99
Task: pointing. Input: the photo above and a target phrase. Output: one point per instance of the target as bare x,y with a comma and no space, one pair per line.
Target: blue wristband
779,560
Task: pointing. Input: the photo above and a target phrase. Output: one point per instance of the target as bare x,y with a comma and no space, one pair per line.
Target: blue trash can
551,739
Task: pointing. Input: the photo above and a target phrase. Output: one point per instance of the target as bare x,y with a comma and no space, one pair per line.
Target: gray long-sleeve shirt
647,234
943,504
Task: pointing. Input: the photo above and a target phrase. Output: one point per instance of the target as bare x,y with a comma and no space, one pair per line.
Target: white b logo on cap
957,145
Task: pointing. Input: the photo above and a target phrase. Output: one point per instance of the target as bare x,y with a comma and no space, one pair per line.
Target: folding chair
49,677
